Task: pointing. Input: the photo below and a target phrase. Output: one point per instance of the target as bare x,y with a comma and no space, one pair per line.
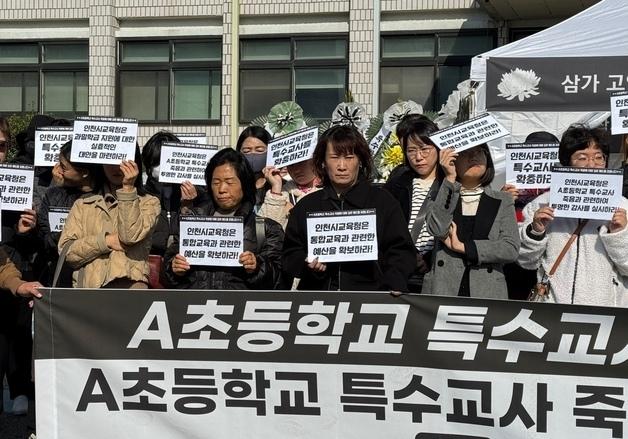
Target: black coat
396,259
267,276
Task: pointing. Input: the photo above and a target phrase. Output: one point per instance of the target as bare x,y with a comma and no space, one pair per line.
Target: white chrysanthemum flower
397,111
520,84
350,113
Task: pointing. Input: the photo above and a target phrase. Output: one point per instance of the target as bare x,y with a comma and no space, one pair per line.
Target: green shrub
17,123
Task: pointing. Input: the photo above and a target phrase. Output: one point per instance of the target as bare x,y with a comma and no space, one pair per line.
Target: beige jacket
277,207
130,216
10,277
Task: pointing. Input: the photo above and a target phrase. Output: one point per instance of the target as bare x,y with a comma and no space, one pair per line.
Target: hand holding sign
512,190
273,177
188,193
447,160
542,217
180,265
319,267
27,221
619,221
248,261
130,173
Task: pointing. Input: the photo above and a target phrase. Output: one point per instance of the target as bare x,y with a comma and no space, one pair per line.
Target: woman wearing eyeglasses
416,187
593,270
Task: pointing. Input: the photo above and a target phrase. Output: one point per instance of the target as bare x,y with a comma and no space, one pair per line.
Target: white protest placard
341,236
212,241
466,135
192,138
619,113
294,148
48,142
184,161
105,140
529,165
586,192
57,217
378,140
16,186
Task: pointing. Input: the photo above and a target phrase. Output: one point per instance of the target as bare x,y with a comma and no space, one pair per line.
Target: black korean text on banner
378,140
48,142
340,236
57,217
619,113
104,140
181,162
294,148
16,186
198,138
466,135
554,84
351,365
212,241
529,165
586,192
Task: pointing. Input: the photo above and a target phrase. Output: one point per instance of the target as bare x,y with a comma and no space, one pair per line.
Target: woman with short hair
343,161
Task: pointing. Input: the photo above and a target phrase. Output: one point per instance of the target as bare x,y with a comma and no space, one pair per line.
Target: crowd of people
441,228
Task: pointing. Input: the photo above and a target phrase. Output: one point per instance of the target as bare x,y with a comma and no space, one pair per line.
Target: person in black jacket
232,193
343,161
416,187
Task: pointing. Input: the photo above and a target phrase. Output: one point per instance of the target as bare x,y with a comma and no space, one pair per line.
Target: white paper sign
619,113
466,135
529,165
16,186
199,138
586,192
294,148
104,140
341,236
212,241
183,161
378,140
48,142
57,217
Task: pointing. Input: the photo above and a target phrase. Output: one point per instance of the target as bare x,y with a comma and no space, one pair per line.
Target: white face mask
155,173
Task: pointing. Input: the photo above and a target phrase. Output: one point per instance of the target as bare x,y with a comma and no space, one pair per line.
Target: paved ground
16,427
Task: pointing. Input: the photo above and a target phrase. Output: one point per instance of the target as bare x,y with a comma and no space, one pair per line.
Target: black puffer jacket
396,259
267,276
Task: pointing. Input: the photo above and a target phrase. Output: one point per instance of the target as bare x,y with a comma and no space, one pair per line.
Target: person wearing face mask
595,267
343,161
416,186
108,232
253,144
474,227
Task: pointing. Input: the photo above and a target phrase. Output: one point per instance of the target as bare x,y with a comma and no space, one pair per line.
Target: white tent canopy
595,32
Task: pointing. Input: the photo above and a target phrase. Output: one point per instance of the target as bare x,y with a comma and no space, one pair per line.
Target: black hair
151,152
489,175
541,137
95,171
253,131
242,168
578,137
345,139
417,127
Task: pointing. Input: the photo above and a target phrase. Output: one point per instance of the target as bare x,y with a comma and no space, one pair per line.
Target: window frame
293,63
41,68
170,67
437,61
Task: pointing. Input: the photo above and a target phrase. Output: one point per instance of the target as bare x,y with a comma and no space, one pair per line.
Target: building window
427,67
175,81
311,71
48,77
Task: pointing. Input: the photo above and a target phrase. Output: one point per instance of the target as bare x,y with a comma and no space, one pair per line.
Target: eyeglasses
424,152
583,159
